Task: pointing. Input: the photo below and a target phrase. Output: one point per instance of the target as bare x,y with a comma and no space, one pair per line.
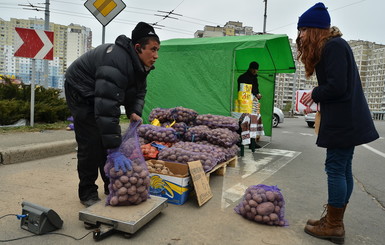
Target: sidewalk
29,146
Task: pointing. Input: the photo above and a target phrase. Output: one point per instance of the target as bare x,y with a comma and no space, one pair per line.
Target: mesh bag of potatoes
263,204
180,155
131,187
156,133
217,121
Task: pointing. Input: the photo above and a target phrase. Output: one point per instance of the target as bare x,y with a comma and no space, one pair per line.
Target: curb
32,152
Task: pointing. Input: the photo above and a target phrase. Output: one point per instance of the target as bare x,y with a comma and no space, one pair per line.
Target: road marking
374,150
253,171
306,134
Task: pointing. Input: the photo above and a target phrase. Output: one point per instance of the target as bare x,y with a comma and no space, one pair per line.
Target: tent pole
232,84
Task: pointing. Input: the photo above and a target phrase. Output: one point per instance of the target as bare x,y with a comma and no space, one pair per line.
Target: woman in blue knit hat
345,117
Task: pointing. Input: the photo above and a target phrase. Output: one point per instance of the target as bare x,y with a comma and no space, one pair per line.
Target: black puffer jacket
109,76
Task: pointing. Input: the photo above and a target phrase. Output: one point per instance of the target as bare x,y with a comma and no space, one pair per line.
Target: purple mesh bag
263,204
222,137
132,187
179,155
217,121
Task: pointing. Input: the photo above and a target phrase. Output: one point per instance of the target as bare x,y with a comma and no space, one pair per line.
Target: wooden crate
220,169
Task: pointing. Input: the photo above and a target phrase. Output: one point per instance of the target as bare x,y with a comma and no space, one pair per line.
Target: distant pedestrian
96,85
345,117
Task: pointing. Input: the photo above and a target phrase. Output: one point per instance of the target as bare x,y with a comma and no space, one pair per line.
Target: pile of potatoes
218,121
263,204
160,168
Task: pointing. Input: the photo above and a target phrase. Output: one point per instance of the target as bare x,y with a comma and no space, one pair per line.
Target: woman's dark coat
345,117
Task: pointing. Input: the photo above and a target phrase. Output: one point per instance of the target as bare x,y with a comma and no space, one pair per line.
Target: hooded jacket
107,77
345,117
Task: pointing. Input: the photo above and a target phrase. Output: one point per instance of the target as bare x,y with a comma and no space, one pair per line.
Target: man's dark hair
254,65
145,40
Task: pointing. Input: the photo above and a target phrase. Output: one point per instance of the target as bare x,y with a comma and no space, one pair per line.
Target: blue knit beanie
316,16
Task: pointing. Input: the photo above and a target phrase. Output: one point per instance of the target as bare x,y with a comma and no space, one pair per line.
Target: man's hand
134,117
121,162
259,96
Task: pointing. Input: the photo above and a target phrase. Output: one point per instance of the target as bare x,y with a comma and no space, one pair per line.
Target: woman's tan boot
314,222
331,227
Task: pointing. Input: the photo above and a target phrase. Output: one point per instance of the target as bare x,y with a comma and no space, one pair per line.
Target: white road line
374,150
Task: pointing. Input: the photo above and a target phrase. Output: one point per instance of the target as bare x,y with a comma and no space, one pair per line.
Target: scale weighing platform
127,219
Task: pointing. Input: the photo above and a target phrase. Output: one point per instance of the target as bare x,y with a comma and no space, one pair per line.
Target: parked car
310,119
278,116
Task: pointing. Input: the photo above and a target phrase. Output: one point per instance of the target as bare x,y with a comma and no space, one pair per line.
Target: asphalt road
291,161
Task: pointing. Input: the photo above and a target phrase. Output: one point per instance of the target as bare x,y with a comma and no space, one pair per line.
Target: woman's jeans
338,167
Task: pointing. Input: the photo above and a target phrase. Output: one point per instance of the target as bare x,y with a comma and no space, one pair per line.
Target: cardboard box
175,189
244,87
245,96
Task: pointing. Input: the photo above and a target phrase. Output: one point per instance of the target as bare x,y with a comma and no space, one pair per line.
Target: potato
118,184
258,218
265,208
123,179
131,190
273,216
257,198
277,209
270,196
141,189
253,203
250,215
265,218
133,180
123,198
114,201
122,191
144,195
247,208
140,182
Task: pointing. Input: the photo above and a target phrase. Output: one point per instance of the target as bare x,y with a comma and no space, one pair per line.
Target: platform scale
105,220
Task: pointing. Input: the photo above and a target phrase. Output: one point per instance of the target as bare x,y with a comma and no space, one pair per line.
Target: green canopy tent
201,73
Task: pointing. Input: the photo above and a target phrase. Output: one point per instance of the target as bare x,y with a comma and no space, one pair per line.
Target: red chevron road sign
36,44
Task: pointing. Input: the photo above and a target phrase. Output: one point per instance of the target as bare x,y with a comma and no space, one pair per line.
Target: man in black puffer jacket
96,85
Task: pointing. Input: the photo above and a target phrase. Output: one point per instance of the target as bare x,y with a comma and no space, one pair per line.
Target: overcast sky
357,19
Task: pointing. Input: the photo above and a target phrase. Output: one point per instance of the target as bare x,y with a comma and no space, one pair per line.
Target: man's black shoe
90,202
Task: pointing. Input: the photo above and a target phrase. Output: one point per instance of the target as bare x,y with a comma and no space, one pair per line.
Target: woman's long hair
309,48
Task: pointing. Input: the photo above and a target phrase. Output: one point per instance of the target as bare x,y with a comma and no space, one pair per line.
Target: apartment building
72,39
231,28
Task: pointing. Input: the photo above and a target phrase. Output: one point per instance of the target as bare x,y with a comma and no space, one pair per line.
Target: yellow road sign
105,10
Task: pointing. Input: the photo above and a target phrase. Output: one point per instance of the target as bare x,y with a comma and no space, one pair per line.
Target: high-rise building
69,42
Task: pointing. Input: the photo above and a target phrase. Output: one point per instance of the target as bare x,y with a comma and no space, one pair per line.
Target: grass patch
62,125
